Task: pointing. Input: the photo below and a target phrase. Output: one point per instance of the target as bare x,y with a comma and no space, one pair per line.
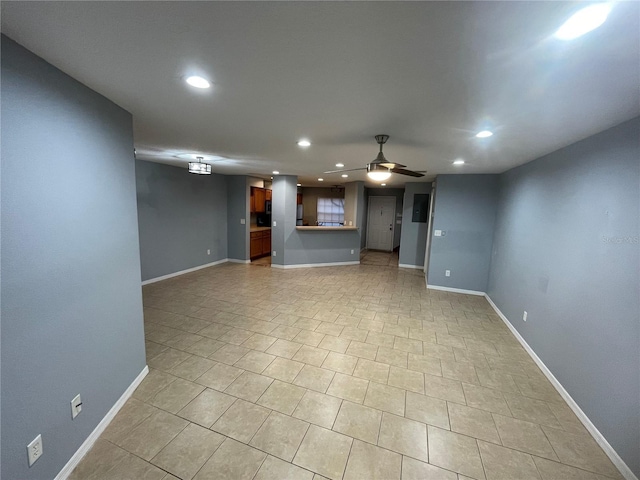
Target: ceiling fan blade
403,171
341,170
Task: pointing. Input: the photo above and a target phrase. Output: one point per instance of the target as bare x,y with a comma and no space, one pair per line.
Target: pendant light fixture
199,167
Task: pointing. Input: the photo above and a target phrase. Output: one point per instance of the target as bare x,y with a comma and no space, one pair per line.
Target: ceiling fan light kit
381,169
199,168
378,172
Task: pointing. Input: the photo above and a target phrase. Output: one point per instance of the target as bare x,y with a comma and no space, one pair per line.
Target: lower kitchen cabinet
260,244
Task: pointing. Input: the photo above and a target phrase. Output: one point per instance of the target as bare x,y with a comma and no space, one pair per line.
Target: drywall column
237,211
414,234
566,250
465,211
361,222
71,297
283,215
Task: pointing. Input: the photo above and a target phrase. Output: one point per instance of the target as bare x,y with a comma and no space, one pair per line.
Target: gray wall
237,208
465,209
390,192
296,247
566,251
71,297
413,242
180,216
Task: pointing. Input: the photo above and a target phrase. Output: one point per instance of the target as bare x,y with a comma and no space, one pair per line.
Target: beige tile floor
353,372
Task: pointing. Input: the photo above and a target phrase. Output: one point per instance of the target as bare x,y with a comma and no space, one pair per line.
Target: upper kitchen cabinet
258,198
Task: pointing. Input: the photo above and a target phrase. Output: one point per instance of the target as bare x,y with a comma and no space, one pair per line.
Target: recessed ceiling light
299,184
276,172
344,175
484,134
583,21
339,165
321,179
383,184
198,82
459,162
304,143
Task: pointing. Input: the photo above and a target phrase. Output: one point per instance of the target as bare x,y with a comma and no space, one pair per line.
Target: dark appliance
267,207
263,219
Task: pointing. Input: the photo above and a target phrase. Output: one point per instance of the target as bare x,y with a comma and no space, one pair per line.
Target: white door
382,211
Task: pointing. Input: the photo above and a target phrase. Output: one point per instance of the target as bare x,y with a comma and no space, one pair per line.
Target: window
330,212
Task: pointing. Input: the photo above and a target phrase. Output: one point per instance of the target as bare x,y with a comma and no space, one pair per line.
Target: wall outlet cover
437,233
274,223
274,253
242,221
447,273
34,450
524,316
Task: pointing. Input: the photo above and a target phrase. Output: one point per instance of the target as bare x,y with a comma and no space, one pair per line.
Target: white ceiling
429,74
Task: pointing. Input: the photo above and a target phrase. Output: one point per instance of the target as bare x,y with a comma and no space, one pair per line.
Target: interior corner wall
180,217
413,243
238,209
566,250
70,297
465,211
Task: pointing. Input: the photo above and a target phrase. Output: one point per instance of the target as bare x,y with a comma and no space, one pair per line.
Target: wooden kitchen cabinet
258,197
299,199
260,244
268,194
266,242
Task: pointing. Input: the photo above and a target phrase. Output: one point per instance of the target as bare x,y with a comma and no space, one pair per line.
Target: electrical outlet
34,450
242,221
274,253
352,251
208,252
76,406
437,233
274,223
447,273
524,316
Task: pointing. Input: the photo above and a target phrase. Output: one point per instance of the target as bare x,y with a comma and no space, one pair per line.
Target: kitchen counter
325,229
259,229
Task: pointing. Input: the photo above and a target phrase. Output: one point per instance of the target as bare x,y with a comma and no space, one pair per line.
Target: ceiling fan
381,168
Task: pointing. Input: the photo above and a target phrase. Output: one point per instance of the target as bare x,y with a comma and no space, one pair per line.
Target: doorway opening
381,223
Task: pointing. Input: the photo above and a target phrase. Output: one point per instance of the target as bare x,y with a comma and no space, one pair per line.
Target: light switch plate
274,223
242,221
437,233
76,406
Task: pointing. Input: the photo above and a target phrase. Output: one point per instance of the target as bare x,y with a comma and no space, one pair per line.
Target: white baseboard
237,260
455,290
182,272
104,423
406,265
309,265
595,433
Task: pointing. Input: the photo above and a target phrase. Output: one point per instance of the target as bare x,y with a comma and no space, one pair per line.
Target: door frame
393,219
427,253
